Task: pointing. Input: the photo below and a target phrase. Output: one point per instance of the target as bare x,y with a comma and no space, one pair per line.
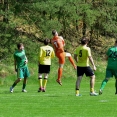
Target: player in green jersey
111,69
20,63
46,52
82,56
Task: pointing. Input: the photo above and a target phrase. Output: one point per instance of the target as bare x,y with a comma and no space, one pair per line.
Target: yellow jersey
45,54
83,53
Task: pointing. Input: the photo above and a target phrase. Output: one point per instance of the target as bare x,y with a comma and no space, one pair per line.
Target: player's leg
14,84
80,73
70,59
40,82
60,71
78,81
104,82
61,57
45,81
20,76
92,84
89,72
24,85
26,75
47,71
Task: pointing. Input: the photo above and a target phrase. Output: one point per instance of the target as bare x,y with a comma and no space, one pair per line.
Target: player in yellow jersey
46,52
82,56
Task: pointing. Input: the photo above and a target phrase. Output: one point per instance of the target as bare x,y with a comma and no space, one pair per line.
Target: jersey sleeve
89,52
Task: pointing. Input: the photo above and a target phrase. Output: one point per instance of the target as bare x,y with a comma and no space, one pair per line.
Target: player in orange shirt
58,44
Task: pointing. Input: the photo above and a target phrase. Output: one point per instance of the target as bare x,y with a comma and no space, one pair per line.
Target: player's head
54,33
84,40
20,46
46,41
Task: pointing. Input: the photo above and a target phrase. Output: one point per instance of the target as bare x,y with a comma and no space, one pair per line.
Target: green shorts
110,73
23,72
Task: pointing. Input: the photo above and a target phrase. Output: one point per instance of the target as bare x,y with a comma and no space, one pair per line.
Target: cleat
43,90
59,82
78,95
23,90
115,93
93,94
40,89
11,89
100,92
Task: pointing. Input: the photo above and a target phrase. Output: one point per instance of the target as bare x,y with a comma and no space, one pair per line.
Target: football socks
104,82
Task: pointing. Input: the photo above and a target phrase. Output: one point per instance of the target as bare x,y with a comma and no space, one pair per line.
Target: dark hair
19,45
46,41
54,32
84,40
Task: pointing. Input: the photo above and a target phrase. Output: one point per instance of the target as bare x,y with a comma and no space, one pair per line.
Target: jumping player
58,44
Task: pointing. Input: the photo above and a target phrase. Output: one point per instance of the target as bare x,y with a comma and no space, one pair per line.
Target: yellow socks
45,82
40,82
77,92
92,90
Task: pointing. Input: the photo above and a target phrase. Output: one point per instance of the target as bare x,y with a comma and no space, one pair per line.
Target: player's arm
62,40
92,62
39,56
76,58
26,60
15,66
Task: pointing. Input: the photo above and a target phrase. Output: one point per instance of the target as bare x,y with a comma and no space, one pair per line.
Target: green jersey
20,58
45,55
83,52
112,58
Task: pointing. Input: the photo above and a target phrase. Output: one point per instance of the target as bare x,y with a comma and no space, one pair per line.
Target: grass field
58,101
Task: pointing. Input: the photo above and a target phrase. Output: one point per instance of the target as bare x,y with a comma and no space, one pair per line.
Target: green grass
57,101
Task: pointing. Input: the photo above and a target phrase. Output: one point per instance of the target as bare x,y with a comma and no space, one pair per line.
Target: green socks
104,82
24,85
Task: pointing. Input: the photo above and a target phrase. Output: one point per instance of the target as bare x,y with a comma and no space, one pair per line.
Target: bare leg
78,81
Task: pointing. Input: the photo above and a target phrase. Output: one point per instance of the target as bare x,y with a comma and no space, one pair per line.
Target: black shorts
84,70
44,69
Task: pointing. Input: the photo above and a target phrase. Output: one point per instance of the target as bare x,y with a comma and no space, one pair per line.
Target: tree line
32,20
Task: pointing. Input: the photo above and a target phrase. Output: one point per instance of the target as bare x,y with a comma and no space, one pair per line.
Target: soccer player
58,44
46,52
82,56
20,63
111,69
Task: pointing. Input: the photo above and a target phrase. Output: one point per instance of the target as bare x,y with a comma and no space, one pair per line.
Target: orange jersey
58,44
